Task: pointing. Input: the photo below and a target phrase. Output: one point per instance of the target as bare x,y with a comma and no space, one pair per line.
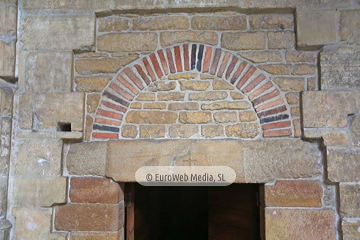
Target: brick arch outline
268,101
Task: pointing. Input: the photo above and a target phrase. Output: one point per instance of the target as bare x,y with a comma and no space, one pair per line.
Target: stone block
271,21
8,20
113,24
194,85
327,109
293,98
47,71
244,41
5,144
129,131
349,26
144,4
262,57
26,110
300,56
183,106
183,131
130,42
340,68
6,100
294,194
172,96
200,3
309,30
92,102
281,40
290,84
39,191
343,165
95,235
277,69
87,158
242,130
58,32
212,131
171,38
161,23
195,117
335,138
238,105
350,200
300,224
57,6
247,116
208,96
355,131
304,69
161,86
224,117
7,59
151,117
222,85
91,84
152,131
155,105
3,194
219,23
350,229
38,157
146,97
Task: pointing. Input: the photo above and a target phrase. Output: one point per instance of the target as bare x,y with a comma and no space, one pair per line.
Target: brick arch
267,99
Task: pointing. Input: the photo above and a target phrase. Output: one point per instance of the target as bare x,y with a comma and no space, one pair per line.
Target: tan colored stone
173,96
184,106
219,23
86,158
195,117
136,105
152,131
236,95
221,85
145,97
40,157
89,121
311,84
226,105
350,229
92,102
129,131
5,147
54,108
113,24
155,105
211,131
294,194
93,55
350,200
3,194
182,76
293,98
194,85
310,32
295,111
162,86
242,130
297,128
343,165
7,59
171,38
161,23
39,191
151,117
303,69
8,20
335,138
355,131
290,84
182,131
58,6
296,56
102,65
200,3
300,224
247,116
6,99
224,117
57,32
208,96
277,69
262,57
243,41
95,235
327,109
349,26
130,42
281,40
26,110
271,21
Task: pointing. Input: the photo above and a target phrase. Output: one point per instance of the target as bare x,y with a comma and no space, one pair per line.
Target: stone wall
77,76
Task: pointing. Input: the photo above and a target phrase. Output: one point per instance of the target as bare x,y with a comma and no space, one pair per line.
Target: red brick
272,111
89,217
231,67
114,106
276,125
215,61
186,57
260,90
223,65
149,69
294,194
163,61
121,91
94,190
277,133
207,59
238,72
107,121
270,105
133,78
179,67
156,65
105,135
246,77
170,60
109,114
265,97
142,74
254,83
128,85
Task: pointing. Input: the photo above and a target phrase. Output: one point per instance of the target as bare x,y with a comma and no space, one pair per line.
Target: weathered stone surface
87,158
26,110
335,138
146,97
355,131
281,40
226,105
300,224
310,32
57,32
155,105
52,108
183,76
95,236
349,26
219,23
102,65
340,68
161,23
243,41
92,102
271,21
35,224
304,69
91,84
89,217
223,117
236,95
129,131
247,116
184,106
350,200
6,99
89,121
262,57
293,98
343,165
59,6
208,96
5,146
182,131
38,157
221,85
290,84
300,56
195,117
7,59
277,69
8,20
113,24
171,38
194,85
173,96
152,131
242,130
39,191
327,109
294,194
47,71
212,131
350,229
94,190
130,42
3,194
151,117
161,86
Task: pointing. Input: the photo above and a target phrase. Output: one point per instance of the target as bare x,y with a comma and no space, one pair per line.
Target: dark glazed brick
116,99
274,118
200,57
105,128
193,56
272,111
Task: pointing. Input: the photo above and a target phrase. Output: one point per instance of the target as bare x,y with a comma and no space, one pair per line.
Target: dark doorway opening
201,213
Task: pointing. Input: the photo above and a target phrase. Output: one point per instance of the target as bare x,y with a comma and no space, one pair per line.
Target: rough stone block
57,6
130,42
343,165
355,131
38,157
300,224
290,84
195,117
6,100
208,96
335,138
277,69
271,21
92,102
350,229
152,131
5,145
8,20
247,116
151,117
7,59
300,56
262,57
26,111
350,200
212,131
194,85
340,68
281,40
87,158
244,41
161,23
3,194
294,194
171,38
91,84
39,191
310,32
224,117
219,23
129,131
328,109
243,130
58,32
113,24
47,71
182,131
349,26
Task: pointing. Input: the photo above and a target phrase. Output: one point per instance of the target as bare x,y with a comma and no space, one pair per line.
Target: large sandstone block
350,229
6,99
350,200
328,109
130,42
300,224
7,59
343,165
5,144
58,6
349,26
38,157
8,20
340,68
355,131
39,191
58,32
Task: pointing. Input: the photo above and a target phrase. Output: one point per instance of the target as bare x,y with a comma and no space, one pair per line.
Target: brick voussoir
265,97
149,69
142,74
163,61
107,121
109,114
105,135
134,78
178,60
207,59
128,85
121,91
276,125
278,133
272,111
246,77
170,60
224,64
156,65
